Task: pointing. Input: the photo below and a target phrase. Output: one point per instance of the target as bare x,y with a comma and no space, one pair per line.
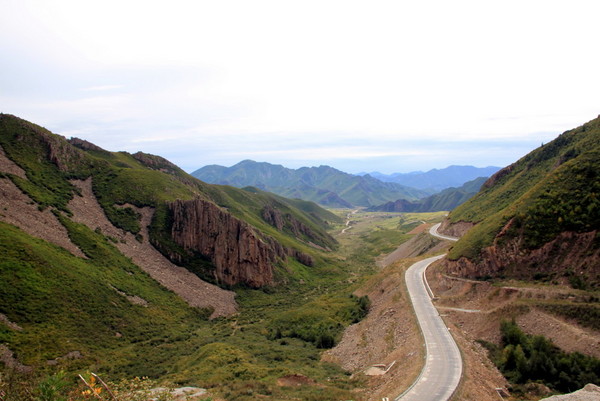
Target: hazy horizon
388,86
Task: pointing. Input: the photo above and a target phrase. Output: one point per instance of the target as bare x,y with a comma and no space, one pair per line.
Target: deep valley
124,266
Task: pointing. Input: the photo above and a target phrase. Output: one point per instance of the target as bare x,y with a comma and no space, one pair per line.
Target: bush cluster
524,358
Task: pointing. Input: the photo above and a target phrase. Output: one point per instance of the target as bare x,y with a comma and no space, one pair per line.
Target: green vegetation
585,314
551,190
447,199
79,312
324,185
523,358
321,321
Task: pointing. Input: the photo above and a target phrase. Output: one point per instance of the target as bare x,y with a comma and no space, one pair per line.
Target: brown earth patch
20,210
457,229
420,229
416,246
389,333
497,304
193,290
567,336
8,359
9,324
10,167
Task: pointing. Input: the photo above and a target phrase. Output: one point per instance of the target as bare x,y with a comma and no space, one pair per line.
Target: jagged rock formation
232,245
569,252
193,290
85,145
238,252
286,221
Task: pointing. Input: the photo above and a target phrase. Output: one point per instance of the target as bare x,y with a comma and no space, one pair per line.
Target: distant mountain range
448,199
324,185
437,179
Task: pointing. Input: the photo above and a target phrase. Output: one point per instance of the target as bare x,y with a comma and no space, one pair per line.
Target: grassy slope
65,303
553,189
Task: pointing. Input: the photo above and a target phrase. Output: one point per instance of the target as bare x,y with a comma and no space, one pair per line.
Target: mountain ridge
445,200
538,217
437,179
324,184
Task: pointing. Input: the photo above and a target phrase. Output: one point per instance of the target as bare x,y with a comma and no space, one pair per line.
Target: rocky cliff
237,251
538,218
569,258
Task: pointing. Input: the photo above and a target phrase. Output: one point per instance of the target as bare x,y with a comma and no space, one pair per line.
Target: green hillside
446,200
324,185
118,321
551,191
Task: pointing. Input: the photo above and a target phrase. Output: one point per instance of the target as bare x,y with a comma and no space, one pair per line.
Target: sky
389,86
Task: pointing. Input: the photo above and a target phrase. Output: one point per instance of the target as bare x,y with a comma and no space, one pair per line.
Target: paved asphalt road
443,366
434,231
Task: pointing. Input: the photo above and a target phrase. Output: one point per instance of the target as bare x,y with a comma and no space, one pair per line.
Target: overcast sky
390,86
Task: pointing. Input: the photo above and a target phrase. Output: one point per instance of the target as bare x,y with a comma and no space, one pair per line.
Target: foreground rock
590,392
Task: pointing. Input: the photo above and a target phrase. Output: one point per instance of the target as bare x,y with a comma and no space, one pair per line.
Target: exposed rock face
568,254
455,229
282,221
497,176
85,145
196,292
155,162
233,246
590,392
60,151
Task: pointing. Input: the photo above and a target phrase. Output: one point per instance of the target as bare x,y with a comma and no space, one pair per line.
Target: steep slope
122,182
438,179
324,185
116,263
538,217
448,199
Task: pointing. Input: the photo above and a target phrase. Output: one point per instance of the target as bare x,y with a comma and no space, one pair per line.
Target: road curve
443,363
434,231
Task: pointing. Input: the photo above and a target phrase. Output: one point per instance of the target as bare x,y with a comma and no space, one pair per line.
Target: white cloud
301,75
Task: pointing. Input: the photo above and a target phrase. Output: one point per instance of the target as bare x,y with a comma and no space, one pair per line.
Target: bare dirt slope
19,209
416,246
191,288
497,303
590,392
389,333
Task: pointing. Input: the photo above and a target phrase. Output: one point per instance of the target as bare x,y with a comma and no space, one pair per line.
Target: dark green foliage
321,321
523,358
585,314
555,188
66,303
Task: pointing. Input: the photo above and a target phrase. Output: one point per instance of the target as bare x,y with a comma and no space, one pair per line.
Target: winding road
443,363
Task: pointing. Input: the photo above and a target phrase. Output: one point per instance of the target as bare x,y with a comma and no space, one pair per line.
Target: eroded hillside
537,219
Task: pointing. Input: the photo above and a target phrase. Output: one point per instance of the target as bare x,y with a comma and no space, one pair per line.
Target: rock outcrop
288,222
239,253
457,229
567,256
232,245
590,392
